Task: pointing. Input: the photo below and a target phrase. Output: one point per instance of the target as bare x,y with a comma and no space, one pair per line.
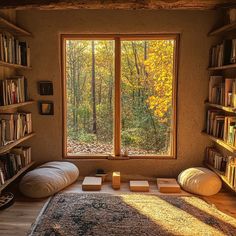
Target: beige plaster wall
193,26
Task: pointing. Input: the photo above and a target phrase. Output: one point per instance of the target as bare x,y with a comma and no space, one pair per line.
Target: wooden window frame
117,104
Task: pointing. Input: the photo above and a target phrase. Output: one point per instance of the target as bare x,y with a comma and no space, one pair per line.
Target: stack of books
222,91
215,123
221,126
14,51
14,126
13,90
215,159
12,162
230,130
223,53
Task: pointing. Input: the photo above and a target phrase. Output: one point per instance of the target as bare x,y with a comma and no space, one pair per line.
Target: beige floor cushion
48,179
199,180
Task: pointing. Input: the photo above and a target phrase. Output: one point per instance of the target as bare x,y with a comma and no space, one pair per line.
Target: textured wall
193,26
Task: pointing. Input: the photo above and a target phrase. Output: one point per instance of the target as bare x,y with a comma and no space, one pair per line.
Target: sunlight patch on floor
171,218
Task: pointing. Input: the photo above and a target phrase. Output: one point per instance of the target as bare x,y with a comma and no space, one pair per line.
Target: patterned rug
100,214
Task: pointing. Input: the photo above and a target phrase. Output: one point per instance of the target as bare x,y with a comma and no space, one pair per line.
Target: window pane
147,93
89,90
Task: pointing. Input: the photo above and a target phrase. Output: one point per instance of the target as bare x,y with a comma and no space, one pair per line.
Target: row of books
227,165
14,51
214,158
14,126
13,90
221,126
222,91
223,53
13,161
230,173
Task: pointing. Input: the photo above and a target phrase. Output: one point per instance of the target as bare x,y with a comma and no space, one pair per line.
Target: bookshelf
225,67
224,108
221,106
21,171
8,26
221,175
224,29
15,55
6,148
221,142
16,105
16,66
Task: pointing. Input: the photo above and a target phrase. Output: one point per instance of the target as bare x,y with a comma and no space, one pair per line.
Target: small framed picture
46,108
45,87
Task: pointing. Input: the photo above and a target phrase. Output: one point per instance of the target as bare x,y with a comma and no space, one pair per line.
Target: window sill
118,158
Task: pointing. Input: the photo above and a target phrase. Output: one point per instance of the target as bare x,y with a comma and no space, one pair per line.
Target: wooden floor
17,219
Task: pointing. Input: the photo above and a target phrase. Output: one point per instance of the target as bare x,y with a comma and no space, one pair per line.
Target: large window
119,95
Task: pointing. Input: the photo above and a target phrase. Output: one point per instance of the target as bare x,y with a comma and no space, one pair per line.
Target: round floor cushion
201,181
48,179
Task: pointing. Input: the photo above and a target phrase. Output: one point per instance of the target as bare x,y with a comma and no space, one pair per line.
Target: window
119,95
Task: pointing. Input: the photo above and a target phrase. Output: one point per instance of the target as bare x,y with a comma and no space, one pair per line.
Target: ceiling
116,4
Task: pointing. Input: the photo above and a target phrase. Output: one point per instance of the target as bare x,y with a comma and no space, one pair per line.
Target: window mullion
117,110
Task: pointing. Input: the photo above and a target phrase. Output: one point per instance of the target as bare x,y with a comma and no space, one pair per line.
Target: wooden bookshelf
8,26
223,29
16,105
6,148
224,108
225,67
21,171
221,175
16,66
221,142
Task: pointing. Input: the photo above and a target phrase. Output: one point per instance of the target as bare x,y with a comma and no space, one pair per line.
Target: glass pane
147,86
89,90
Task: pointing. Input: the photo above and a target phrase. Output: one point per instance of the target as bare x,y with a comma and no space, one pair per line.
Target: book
92,184
168,185
139,186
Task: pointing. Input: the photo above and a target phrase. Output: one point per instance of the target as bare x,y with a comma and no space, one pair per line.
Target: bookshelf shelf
225,67
221,175
223,29
21,171
16,66
221,142
8,26
228,109
16,105
9,146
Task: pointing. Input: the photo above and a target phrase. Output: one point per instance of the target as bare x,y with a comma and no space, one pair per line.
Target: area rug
100,214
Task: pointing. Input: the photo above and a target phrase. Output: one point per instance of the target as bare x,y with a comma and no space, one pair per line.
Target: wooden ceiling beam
116,4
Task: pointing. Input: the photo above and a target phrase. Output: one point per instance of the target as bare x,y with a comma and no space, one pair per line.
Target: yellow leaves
159,66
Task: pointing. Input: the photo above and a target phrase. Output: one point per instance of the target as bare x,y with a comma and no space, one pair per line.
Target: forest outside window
119,95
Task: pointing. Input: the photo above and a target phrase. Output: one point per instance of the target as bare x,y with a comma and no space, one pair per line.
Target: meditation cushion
48,179
201,181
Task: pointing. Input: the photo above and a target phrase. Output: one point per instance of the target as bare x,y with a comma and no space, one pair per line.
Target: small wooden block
139,186
92,184
168,185
103,176
116,180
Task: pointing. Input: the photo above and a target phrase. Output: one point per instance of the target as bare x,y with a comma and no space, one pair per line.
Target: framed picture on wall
46,108
45,87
